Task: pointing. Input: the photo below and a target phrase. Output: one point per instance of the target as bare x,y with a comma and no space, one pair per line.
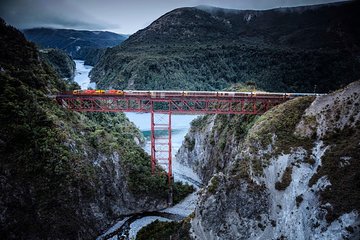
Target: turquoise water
147,133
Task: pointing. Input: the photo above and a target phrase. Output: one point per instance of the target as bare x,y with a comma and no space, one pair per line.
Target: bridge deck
170,102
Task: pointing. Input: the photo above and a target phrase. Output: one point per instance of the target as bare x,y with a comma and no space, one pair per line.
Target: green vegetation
282,121
241,169
299,199
226,133
55,162
38,139
63,64
341,166
230,131
192,49
119,133
214,68
180,191
279,122
285,179
117,124
89,45
189,143
112,132
199,123
141,182
165,230
236,125
214,183
91,55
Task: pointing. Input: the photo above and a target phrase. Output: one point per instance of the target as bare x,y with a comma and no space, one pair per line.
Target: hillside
62,63
290,49
63,175
292,173
79,44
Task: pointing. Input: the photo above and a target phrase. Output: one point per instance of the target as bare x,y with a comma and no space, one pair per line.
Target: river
82,75
180,126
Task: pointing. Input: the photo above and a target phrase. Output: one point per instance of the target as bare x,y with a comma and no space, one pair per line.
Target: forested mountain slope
63,175
288,49
60,61
79,44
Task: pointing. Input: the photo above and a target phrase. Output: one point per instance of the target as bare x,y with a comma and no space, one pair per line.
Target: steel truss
185,105
161,153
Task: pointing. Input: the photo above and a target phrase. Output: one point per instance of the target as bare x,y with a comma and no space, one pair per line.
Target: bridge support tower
161,148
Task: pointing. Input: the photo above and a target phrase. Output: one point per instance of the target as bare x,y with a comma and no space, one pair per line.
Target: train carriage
201,94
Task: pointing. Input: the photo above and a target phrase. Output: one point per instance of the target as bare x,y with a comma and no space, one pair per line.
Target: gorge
290,173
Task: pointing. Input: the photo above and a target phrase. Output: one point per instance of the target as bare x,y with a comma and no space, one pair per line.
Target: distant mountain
204,48
79,44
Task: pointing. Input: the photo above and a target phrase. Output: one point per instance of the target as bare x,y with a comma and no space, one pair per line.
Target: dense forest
79,44
302,49
60,61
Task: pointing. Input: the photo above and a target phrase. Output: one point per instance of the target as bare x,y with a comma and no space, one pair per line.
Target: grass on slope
165,230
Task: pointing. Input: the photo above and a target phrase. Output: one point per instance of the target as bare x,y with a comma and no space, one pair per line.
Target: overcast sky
115,15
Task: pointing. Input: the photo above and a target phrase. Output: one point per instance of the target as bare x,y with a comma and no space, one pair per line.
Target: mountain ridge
232,15
299,7
79,44
191,49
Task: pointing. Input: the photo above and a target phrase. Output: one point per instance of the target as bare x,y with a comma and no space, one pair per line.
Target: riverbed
180,126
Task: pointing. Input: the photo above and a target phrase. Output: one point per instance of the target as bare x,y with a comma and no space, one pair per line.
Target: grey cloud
122,16
261,4
60,14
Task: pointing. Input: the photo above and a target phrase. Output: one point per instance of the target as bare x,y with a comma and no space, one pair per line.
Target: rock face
293,175
211,141
195,152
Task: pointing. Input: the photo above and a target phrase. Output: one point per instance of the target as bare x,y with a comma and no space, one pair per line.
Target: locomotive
97,92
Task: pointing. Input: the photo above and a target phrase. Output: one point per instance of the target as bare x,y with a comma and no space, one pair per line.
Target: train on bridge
167,103
166,93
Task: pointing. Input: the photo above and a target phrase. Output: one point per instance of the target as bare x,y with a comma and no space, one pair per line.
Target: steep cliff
211,141
293,173
63,175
